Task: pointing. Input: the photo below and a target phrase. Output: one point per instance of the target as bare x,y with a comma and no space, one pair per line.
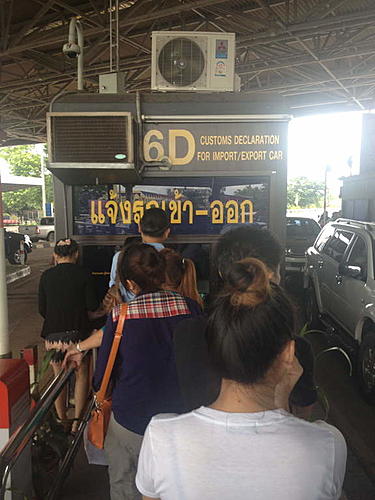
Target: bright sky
319,140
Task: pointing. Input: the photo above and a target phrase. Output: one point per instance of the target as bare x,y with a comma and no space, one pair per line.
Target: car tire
17,258
51,236
366,366
311,308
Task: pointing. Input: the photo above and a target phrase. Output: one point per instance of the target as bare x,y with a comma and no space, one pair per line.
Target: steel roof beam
41,12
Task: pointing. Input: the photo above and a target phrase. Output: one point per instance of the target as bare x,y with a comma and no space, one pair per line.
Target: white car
45,230
340,276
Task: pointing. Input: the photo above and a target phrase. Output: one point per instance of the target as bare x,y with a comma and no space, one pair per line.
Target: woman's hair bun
248,282
66,247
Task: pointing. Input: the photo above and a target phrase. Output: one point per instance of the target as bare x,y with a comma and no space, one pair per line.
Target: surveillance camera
72,50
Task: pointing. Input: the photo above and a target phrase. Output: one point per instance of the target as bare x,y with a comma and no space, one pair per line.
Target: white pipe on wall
76,32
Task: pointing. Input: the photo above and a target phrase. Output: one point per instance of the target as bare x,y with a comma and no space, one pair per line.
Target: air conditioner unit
192,61
91,146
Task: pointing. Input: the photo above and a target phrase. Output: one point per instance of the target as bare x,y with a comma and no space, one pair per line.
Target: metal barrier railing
20,439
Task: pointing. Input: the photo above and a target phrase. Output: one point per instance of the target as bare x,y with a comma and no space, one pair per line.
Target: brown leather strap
100,395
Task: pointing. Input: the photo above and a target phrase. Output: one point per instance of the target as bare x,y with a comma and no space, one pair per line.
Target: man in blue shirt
154,229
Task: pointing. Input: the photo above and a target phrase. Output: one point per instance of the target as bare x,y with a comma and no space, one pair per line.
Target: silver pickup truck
45,230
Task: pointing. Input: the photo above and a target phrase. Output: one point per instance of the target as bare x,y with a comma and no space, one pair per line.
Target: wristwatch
78,348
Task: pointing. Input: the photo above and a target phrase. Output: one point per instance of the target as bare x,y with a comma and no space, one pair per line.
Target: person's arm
112,280
42,297
105,349
75,356
145,479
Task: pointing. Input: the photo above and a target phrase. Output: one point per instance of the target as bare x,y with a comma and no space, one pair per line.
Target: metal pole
325,196
80,56
117,38
110,37
4,327
42,173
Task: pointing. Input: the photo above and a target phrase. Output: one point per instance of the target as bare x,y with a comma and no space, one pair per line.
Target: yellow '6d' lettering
148,145
188,136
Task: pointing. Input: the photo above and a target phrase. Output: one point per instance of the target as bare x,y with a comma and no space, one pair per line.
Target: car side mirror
351,271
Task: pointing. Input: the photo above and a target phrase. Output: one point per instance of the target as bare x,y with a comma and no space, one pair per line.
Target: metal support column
4,328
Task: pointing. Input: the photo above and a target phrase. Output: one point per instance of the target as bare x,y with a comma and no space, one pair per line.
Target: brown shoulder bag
98,424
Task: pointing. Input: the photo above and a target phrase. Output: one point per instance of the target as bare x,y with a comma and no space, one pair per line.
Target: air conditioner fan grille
181,62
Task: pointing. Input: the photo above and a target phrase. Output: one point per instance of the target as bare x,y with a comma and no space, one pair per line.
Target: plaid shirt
145,376
163,304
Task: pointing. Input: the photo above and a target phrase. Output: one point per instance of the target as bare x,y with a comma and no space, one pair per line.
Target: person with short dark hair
154,229
199,383
246,444
144,375
67,301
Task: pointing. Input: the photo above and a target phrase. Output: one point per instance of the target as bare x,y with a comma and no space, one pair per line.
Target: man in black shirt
198,382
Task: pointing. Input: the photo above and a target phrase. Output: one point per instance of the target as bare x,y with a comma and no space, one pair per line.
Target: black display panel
207,205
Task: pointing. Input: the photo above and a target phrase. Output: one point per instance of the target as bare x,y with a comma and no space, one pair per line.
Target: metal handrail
23,435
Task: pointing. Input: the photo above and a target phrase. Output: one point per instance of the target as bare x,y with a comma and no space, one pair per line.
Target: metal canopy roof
318,54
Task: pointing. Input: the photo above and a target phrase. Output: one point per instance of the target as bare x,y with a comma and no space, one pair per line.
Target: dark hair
65,247
144,265
131,240
180,275
154,222
243,242
250,323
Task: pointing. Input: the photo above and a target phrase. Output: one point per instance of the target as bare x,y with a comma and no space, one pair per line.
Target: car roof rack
370,226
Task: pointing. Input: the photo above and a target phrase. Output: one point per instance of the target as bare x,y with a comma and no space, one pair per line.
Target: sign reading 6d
177,144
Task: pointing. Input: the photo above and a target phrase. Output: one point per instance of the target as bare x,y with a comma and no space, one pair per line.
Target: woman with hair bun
180,275
67,301
246,445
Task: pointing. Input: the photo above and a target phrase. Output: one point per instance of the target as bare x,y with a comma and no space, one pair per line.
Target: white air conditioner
192,61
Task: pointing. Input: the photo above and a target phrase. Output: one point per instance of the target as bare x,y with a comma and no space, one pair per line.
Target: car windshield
301,228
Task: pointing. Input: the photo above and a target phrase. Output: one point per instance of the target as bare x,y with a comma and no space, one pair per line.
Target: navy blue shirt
144,375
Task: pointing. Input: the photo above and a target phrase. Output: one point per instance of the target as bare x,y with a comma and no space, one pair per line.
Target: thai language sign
192,209
217,145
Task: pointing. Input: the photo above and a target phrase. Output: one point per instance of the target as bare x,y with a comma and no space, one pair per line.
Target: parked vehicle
9,220
45,230
341,290
301,233
13,248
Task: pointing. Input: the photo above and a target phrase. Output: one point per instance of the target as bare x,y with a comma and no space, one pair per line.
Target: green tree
305,193
23,160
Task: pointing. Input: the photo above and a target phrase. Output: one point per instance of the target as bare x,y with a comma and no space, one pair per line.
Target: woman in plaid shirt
144,376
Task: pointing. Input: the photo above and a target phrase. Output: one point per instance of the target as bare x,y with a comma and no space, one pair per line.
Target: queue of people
205,404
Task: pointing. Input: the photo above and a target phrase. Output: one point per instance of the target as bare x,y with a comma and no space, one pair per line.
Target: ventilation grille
181,62
91,139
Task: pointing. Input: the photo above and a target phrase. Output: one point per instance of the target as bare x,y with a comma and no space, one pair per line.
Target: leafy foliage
23,160
305,193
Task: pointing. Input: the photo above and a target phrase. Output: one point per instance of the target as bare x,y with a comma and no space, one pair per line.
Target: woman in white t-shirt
246,445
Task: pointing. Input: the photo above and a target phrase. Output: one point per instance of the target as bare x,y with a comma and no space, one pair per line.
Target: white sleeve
339,466
112,280
339,458
145,479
